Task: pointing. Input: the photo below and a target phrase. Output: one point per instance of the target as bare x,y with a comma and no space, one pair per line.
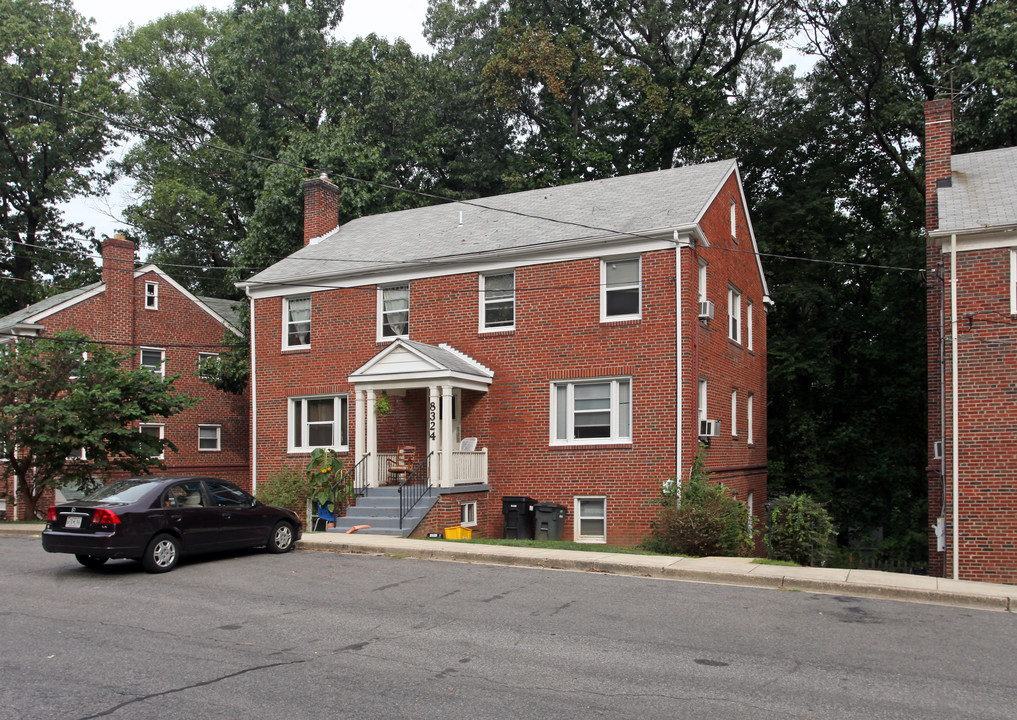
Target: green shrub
288,488
800,531
709,521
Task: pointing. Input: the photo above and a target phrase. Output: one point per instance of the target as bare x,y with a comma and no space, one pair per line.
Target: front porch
415,395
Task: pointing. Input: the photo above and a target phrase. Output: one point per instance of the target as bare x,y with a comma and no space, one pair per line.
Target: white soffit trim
68,303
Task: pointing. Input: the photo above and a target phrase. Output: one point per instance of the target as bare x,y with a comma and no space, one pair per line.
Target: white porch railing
467,467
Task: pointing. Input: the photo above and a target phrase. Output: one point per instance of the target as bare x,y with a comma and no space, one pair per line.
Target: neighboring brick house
971,223
546,325
168,329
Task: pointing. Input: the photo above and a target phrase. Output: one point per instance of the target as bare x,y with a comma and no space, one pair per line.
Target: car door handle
226,516
176,518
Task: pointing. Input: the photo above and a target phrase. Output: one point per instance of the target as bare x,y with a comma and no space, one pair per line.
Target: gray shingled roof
446,358
639,203
983,191
228,310
25,313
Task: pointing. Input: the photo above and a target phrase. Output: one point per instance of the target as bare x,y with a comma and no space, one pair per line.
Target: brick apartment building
572,345
971,256
169,330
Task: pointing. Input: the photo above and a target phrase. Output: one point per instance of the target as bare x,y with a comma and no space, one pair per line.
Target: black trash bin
548,521
518,513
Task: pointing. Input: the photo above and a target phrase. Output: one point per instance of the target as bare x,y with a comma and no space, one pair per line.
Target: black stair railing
416,485
350,485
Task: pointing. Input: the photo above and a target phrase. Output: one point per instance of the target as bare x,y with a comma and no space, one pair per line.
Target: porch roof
408,363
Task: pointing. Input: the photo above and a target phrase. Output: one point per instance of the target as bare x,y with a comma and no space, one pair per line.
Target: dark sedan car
156,520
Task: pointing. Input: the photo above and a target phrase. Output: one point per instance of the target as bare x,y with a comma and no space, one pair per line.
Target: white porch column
371,427
359,426
433,446
446,436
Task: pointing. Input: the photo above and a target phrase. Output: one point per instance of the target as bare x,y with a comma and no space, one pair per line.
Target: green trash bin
548,521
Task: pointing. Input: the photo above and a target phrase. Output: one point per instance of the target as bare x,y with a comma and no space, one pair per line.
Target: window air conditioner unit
937,450
709,428
706,310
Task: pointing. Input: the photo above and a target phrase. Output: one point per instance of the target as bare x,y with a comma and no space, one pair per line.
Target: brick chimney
118,277
938,146
321,207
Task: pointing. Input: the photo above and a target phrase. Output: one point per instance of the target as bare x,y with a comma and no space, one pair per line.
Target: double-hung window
204,357
591,412
591,519
394,311
750,402
154,359
734,314
620,289
498,301
209,437
155,431
318,422
297,322
734,413
748,324
151,296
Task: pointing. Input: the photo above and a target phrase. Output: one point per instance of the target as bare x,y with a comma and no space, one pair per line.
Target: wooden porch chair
402,464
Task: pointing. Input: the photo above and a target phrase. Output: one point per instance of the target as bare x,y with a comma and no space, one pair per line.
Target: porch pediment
408,363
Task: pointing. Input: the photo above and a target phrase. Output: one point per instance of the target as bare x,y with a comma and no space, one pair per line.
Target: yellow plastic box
458,533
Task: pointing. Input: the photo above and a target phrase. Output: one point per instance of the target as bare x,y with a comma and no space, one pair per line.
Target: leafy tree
64,394
602,88
52,69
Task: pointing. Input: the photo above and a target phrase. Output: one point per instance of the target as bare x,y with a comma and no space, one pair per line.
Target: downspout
679,368
954,419
942,407
254,408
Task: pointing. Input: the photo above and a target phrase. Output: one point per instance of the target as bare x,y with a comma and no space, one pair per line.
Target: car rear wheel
91,561
281,539
162,554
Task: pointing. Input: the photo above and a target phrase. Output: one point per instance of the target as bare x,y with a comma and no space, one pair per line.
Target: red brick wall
987,384
938,147
321,208
558,335
182,330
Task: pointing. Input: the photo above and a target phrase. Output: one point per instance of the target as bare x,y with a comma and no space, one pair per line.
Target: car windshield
123,491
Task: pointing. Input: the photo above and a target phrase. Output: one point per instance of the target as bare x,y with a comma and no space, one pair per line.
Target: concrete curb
722,571
719,571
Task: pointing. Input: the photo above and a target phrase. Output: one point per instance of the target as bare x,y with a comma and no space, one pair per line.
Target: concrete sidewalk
721,570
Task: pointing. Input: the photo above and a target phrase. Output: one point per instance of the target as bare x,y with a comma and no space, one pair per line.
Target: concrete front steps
380,509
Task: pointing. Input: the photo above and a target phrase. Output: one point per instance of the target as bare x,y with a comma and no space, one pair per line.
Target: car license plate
74,521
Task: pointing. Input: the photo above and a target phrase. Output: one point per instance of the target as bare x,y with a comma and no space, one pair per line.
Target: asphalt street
320,634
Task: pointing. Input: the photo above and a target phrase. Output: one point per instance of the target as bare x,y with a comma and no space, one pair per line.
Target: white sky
387,18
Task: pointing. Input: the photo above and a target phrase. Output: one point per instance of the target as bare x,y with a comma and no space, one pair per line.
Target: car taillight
51,514
102,516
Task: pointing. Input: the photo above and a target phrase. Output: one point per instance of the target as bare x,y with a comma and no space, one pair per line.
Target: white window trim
734,220
484,302
615,437
638,285
748,324
161,372
162,435
218,438
151,293
750,402
381,311
734,315
734,413
204,356
577,535
339,421
704,392
468,513
702,281
286,323
1013,281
